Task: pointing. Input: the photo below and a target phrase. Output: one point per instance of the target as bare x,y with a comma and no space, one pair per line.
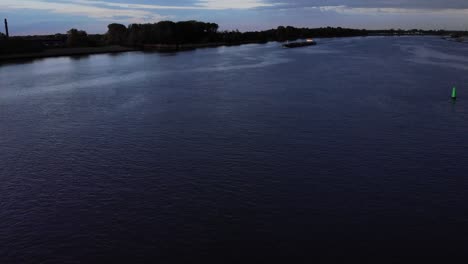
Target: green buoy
454,93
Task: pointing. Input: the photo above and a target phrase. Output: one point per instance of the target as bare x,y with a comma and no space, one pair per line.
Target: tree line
165,32
186,32
194,32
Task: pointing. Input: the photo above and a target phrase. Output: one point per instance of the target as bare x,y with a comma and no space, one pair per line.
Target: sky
57,16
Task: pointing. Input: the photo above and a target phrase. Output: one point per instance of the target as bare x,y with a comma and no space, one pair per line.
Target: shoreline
65,52
71,52
184,47
85,51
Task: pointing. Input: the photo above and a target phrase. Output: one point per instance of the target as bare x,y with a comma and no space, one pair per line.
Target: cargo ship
308,42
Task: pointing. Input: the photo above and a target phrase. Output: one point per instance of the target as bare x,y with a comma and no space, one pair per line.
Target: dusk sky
52,16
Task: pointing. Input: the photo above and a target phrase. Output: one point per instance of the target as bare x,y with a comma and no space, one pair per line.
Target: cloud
196,5
351,13
342,9
77,9
135,6
238,4
125,12
135,12
378,7
398,4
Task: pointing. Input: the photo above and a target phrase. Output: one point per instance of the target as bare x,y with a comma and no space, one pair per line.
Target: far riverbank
59,52
62,52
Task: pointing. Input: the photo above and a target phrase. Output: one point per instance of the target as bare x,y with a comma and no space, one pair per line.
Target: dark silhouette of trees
292,33
168,32
195,32
77,38
116,34
287,33
231,36
163,32
168,35
183,34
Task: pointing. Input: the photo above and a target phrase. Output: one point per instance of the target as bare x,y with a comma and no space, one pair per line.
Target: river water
349,148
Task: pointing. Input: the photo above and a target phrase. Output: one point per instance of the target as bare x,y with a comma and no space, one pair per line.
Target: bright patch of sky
51,16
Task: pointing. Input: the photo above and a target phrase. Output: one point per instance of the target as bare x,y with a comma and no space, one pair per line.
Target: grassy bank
59,52
65,52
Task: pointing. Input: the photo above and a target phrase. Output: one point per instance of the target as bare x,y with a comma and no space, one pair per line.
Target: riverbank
182,47
65,52
60,52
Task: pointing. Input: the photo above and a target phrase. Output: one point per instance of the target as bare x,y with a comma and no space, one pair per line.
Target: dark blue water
351,148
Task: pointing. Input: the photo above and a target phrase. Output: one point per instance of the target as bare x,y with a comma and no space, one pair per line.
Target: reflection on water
426,54
95,82
80,57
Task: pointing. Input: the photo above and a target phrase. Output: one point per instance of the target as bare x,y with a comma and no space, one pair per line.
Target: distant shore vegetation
184,33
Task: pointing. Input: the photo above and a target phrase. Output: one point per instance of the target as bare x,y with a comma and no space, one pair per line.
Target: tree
168,32
132,35
77,38
165,32
116,34
193,32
